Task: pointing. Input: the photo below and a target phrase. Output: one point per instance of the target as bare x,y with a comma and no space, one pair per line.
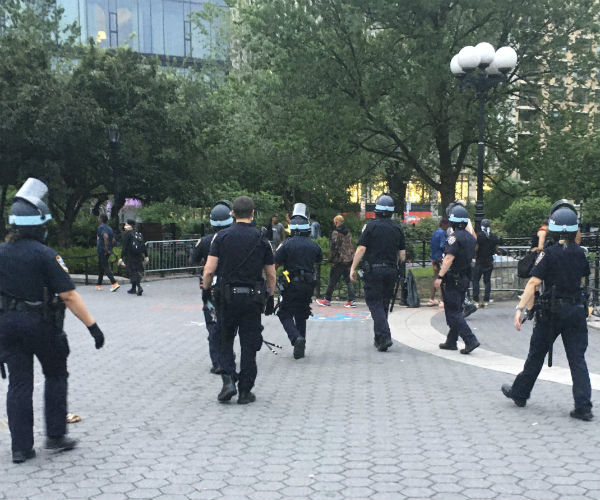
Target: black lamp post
113,140
481,68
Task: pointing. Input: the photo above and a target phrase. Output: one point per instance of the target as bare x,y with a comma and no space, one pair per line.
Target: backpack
347,248
412,294
525,265
137,243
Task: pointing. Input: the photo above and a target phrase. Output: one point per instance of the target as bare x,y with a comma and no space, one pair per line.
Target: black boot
299,346
470,347
18,457
507,391
228,390
131,290
140,290
60,444
384,345
448,346
246,397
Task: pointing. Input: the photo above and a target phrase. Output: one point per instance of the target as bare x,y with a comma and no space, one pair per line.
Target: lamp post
113,140
482,68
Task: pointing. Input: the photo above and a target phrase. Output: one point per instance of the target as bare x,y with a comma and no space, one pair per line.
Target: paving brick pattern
345,422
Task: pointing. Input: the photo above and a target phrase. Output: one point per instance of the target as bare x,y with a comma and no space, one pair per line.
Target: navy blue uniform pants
23,336
571,324
104,268
454,296
379,289
242,313
340,270
212,325
486,272
295,309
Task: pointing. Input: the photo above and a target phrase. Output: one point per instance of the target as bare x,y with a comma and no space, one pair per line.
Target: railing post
423,253
596,268
85,263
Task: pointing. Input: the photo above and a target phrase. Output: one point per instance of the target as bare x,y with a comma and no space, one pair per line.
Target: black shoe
60,444
507,391
216,370
228,390
384,345
140,290
299,346
246,397
18,457
469,309
585,415
448,347
131,290
470,347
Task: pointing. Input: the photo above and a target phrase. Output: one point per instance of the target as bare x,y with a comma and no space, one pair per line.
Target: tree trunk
398,177
119,201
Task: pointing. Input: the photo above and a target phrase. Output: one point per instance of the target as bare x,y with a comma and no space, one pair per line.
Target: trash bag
412,294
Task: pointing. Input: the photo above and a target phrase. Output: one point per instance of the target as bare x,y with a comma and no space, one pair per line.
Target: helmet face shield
220,216
384,205
28,208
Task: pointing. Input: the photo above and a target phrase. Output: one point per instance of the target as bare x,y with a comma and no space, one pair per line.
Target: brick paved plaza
345,422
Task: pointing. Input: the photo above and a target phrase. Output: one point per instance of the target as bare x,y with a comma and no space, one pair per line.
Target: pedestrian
220,218
382,246
35,287
239,255
561,310
438,240
341,253
454,278
538,242
487,247
105,240
133,256
315,227
275,232
298,255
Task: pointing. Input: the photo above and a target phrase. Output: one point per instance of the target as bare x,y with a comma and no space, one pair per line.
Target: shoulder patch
539,258
62,264
451,240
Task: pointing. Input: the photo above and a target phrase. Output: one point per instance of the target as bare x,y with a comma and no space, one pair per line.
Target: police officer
238,255
382,245
561,310
298,255
454,278
34,288
220,218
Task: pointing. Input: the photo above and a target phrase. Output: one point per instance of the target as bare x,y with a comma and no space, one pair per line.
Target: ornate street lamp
482,68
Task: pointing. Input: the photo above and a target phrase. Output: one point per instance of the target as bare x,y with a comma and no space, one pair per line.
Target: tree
383,67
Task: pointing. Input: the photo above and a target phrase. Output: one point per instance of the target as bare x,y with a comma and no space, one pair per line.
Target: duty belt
13,304
242,290
383,264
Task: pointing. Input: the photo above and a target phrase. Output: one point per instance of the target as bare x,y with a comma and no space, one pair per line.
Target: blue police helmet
563,220
384,206
220,216
562,203
458,214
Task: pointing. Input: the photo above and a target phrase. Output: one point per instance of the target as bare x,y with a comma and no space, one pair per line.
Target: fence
169,255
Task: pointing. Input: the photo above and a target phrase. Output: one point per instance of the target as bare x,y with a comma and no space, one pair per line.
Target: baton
271,345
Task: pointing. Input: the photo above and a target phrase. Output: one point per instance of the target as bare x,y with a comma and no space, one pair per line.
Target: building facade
160,27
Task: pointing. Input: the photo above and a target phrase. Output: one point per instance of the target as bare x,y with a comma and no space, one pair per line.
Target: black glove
97,334
270,306
206,295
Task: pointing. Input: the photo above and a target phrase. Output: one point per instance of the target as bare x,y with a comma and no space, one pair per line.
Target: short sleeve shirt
562,266
102,229
242,254
28,266
383,238
299,253
201,250
461,244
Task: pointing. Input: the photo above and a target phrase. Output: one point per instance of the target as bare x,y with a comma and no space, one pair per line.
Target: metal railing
169,255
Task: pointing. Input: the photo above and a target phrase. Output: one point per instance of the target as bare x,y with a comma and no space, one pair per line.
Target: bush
75,261
524,215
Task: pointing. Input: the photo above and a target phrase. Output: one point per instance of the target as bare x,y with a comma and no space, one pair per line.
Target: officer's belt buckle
242,290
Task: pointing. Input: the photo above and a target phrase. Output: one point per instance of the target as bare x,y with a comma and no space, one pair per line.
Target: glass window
581,95
97,18
556,121
71,12
128,23
158,27
557,93
526,115
145,27
173,22
559,69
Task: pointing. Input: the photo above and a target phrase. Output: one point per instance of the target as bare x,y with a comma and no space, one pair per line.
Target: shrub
524,215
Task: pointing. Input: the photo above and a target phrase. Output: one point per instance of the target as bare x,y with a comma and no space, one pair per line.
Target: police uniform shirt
202,249
242,254
563,267
299,253
27,266
383,238
461,244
